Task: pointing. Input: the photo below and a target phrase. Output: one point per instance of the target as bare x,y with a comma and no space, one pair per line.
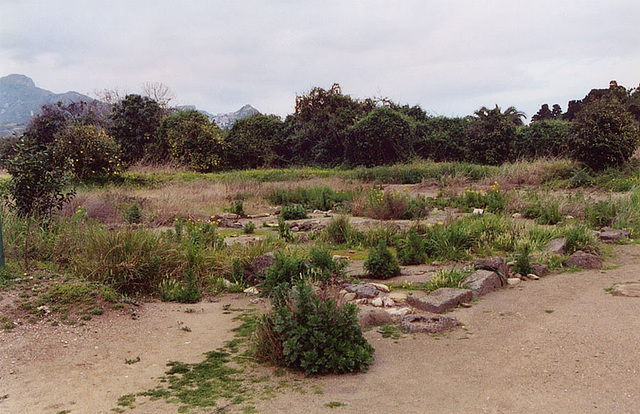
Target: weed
133,215
580,237
601,213
132,361
293,212
249,228
173,291
284,231
451,278
411,251
335,404
339,231
523,260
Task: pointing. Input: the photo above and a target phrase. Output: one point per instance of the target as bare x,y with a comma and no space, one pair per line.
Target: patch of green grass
390,330
335,404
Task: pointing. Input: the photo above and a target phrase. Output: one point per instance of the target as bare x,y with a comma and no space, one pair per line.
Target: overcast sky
450,57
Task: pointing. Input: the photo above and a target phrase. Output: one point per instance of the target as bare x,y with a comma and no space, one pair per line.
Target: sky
451,57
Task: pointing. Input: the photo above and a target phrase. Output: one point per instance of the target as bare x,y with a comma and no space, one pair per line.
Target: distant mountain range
21,99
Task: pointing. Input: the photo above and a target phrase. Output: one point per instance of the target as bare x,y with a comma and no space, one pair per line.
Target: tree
443,139
317,130
384,136
491,133
543,139
603,134
135,121
544,114
254,142
87,150
192,140
158,92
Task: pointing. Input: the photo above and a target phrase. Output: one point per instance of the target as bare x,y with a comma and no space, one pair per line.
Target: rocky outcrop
482,282
441,300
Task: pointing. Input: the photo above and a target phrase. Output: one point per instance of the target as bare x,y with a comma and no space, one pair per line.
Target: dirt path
559,345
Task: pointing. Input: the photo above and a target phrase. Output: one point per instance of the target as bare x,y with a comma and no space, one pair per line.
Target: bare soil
561,344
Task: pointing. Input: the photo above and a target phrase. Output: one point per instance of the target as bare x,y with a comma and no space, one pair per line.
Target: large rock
583,260
631,289
430,323
609,235
441,300
540,269
261,263
373,316
363,290
495,264
556,246
482,282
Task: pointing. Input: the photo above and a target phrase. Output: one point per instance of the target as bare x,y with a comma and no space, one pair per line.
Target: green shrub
390,205
284,231
601,213
286,269
314,335
339,231
237,207
173,291
316,198
580,237
249,228
327,267
411,251
381,263
293,212
603,134
447,278
449,242
523,260
133,215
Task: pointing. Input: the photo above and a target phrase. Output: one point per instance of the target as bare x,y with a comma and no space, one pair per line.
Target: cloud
450,57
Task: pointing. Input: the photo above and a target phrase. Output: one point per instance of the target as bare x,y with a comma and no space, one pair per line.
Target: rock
388,302
630,289
513,281
495,264
531,276
478,211
251,290
337,257
482,282
381,287
583,260
556,246
363,290
377,302
261,263
295,229
398,312
441,300
430,323
516,215
373,316
609,235
540,269
308,226
398,296
349,296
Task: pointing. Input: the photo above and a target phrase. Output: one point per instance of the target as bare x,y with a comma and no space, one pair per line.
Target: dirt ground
561,344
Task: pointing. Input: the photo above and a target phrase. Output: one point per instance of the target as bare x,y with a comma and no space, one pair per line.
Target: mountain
225,121
21,99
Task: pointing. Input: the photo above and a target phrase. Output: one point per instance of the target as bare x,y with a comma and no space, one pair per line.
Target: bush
173,291
314,335
603,134
523,261
411,251
601,213
381,263
293,212
451,278
543,139
327,268
249,228
339,231
316,198
133,215
286,269
580,237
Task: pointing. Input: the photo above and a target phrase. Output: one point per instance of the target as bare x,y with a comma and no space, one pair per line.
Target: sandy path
514,355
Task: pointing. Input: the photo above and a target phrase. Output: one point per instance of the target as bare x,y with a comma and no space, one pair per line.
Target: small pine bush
523,261
311,334
411,252
381,263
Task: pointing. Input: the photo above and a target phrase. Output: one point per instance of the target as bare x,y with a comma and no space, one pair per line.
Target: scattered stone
540,269
495,264
482,282
516,215
262,263
398,296
630,289
295,229
260,215
227,283
308,226
398,312
337,257
430,323
252,290
513,281
609,235
373,316
349,296
377,302
583,260
531,276
556,246
363,290
441,300
388,302
478,211
381,287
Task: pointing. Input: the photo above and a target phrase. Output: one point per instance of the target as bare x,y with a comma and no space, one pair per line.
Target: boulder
430,323
583,260
631,289
373,316
261,263
441,300
363,290
556,246
495,264
540,269
482,282
609,235
308,225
